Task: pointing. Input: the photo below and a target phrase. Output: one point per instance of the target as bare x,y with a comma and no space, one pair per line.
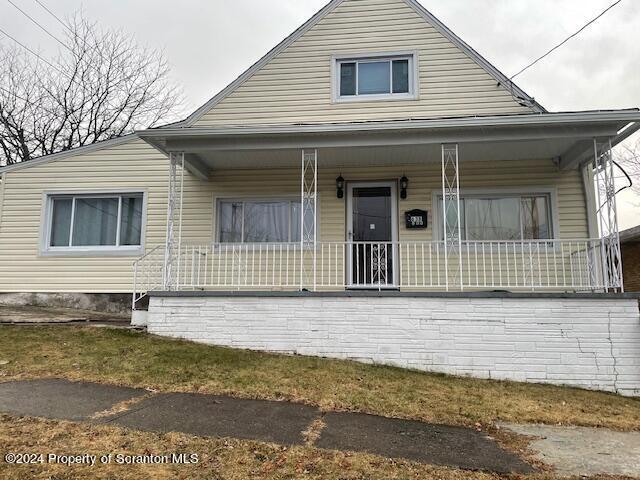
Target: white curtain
61,222
492,218
230,222
266,222
95,222
131,221
259,222
535,218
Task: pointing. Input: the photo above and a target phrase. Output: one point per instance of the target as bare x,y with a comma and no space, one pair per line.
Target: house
371,189
630,249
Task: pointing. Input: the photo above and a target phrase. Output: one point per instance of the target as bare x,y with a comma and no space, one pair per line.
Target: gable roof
519,94
92,147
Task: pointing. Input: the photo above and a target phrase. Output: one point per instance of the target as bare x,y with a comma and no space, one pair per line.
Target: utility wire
33,52
566,40
9,92
40,26
55,16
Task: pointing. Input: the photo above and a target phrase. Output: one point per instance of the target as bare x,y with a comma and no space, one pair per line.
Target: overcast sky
210,42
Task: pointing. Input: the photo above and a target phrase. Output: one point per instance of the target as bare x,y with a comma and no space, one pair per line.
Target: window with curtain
95,221
390,76
508,217
268,221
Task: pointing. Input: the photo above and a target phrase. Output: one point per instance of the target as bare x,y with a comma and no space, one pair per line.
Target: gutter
577,118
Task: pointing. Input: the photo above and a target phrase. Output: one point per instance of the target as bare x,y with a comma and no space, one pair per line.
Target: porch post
451,216
173,240
308,218
607,211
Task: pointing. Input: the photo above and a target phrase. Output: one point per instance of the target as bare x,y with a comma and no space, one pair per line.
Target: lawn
136,359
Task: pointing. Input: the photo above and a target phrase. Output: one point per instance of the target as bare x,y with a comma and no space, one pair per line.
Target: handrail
532,265
140,291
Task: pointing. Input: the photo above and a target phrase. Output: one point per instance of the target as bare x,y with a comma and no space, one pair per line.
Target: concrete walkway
584,451
276,422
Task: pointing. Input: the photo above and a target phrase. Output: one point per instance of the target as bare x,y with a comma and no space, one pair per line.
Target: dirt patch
312,434
44,315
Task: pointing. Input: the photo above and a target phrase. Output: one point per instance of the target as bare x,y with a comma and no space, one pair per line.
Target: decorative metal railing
148,273
549,265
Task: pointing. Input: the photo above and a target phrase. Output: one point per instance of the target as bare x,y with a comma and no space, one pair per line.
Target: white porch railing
550,265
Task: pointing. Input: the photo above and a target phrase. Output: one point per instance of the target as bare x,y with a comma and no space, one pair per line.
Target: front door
372,234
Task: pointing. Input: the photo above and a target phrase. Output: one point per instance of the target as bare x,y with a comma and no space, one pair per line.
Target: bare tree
628,156
101,85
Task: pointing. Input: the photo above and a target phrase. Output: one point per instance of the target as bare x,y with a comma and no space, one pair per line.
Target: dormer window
375,77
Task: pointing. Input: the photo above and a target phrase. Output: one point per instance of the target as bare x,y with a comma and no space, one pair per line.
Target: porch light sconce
404,184
340,187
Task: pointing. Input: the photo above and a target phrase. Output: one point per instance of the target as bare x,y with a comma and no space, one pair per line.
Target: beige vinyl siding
134,166
281,267
295,86
423,181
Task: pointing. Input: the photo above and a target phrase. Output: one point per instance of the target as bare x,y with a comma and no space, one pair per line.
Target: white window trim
414,78
218,201
551,192
90,251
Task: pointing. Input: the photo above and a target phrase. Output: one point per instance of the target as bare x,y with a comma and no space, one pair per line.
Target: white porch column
451,216
308,218
607,212
170,277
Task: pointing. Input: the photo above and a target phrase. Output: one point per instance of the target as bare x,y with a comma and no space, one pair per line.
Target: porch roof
566,137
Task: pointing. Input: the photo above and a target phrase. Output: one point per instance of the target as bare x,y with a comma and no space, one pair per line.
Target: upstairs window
375,78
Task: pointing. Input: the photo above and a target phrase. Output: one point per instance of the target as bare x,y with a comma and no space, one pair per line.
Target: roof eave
621,116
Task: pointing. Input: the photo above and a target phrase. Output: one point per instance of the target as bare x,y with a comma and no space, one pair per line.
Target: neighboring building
630,246
370,189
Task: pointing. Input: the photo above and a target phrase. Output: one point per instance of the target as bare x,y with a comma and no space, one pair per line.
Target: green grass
135,359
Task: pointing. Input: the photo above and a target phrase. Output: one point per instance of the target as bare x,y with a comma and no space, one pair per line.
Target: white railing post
135,285
451,203
611,257
174,216
308,229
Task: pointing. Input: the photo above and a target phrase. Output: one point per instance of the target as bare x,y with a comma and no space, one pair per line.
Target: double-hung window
100,222
503,217
375,77
259,221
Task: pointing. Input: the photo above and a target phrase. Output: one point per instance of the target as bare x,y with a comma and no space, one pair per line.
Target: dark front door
372,234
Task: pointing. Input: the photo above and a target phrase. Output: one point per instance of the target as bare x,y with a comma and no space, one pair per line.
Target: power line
566,40
55,16
17,96
40,26
34,53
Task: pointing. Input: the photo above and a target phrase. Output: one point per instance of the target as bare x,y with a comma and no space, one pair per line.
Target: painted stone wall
588,343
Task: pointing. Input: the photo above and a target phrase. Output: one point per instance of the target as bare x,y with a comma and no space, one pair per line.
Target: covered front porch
524,203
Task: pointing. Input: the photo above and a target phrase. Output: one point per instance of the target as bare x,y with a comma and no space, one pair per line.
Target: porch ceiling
381,155
566,138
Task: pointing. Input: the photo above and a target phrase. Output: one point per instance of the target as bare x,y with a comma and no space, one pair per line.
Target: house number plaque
416,219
